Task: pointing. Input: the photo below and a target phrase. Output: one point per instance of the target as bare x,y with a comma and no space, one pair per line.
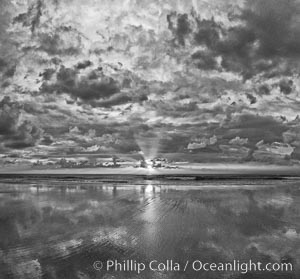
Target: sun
150,169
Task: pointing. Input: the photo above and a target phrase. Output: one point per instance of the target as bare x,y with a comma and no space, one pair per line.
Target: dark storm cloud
208,32
254,127
286,86
127,145
47,140
251,98
275,25
267,36
9,112
205,60
175,142
263,90
93,86
7,68
3,64
254,121
83,64
258,138
270,31
25,136
296,153
179,25
14,134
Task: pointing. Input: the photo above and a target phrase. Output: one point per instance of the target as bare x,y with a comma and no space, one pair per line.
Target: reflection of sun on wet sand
61,227
183,169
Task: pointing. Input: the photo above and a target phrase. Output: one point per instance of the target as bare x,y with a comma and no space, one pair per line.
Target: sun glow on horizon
150,169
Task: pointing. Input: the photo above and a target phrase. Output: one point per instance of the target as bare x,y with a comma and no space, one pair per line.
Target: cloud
264,38
235,152
62,41
269,34
183,75
251,98
254,127
102,139
74,130
292,138
8,50
9,116
263,90
26,136
93,148
296,154
286,86
277,32
237,149
31,18
92,86
116,99
13,132
195,145
275,25
179,25
45,35
84,64
283,149
205,60
47,140
238,141
275,152
202,143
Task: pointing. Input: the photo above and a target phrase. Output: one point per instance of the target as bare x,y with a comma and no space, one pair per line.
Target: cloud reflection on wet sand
58,232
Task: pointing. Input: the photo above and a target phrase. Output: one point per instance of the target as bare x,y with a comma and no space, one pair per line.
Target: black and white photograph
149,139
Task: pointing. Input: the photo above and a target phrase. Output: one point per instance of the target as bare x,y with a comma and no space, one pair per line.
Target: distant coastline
187,169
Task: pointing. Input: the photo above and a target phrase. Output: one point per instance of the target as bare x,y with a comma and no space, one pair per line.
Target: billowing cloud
202,143
238,141
255,128
88,87
262,40
194,77
273,152
13,132
235,152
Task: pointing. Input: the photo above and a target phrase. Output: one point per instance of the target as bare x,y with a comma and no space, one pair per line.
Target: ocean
126,226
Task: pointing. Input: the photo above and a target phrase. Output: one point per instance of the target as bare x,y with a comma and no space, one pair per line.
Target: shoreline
192,169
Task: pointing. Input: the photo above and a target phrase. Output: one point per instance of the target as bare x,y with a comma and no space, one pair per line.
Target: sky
207,81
